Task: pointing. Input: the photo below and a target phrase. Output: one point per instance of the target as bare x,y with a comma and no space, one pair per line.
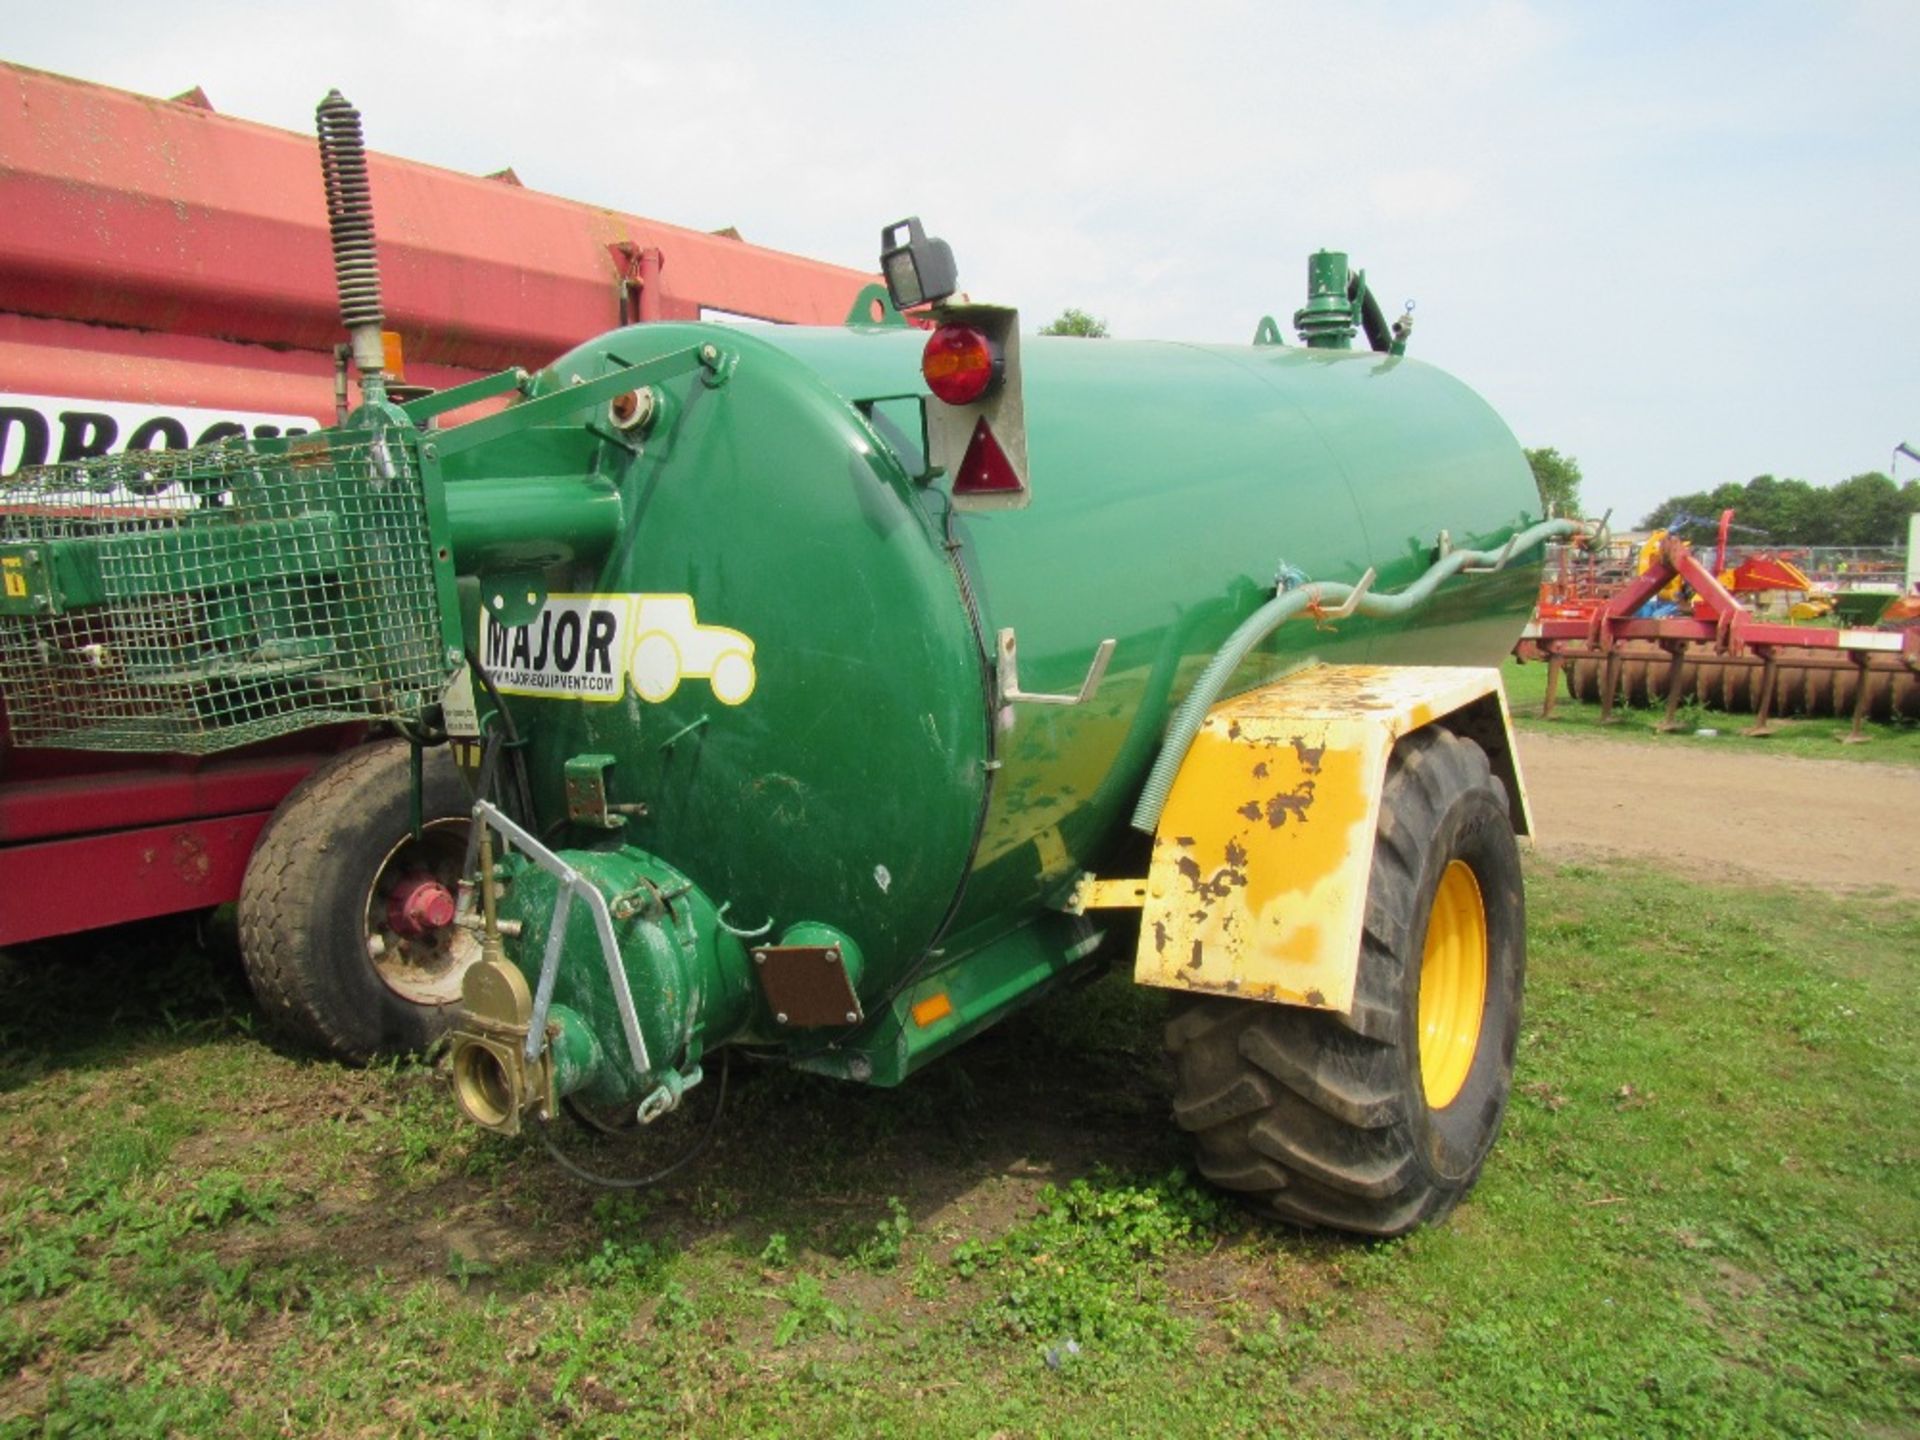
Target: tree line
1866,509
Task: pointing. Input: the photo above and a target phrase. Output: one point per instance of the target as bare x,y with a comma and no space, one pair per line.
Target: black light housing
918,270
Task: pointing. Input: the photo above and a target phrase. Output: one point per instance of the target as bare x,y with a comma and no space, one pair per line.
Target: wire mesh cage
196,600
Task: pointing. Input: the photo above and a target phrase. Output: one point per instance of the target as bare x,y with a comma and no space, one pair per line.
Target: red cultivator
1722,654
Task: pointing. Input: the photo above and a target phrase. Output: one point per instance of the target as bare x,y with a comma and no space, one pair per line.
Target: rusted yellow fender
1258,884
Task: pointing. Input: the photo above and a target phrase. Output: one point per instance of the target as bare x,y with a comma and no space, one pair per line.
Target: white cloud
1423,194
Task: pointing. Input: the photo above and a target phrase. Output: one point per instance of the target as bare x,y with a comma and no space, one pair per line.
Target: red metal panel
49,793
61,887
124,210
80,804
61,357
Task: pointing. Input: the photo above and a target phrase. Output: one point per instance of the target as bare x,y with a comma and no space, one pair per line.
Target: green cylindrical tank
1171,486
868,782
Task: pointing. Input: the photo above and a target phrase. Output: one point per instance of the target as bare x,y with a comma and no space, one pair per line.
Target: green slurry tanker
837,692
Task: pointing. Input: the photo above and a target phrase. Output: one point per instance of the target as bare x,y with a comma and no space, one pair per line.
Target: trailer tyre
337,957
1379,1121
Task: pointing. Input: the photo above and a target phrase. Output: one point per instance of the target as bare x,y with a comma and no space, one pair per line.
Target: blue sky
1675,241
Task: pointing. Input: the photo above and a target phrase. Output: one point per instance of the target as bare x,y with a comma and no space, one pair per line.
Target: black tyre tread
1379,1023
274,913
1324,1211
1193,1024
1254,1175
1375,1178
1334,1148
1340,1079
1244,1095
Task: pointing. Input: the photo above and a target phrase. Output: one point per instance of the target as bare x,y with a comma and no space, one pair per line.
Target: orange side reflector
934,1007
394,356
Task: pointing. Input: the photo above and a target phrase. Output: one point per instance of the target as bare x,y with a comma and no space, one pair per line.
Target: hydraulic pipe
1283,607
531,522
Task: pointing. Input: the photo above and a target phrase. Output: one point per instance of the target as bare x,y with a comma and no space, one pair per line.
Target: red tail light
959,364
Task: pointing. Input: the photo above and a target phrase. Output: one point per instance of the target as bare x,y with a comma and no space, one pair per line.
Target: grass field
1703,1219
1896,743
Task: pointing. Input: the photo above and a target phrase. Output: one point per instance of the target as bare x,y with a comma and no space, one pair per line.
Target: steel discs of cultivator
1815,686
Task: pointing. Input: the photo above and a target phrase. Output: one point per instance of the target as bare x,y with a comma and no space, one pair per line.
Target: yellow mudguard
1258,885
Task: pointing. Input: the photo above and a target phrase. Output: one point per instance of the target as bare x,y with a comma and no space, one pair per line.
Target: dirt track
1719,813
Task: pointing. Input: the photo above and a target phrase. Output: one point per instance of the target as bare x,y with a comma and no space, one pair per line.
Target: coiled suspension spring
343,164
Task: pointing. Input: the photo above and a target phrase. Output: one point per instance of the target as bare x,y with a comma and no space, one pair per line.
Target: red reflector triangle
986,470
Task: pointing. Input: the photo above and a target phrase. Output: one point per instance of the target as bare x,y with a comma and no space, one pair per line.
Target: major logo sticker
585,647
575,649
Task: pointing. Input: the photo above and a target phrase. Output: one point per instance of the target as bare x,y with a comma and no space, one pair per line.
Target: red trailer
166,280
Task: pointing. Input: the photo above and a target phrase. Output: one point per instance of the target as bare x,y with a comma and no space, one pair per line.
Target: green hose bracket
716,365
873,306
666,1097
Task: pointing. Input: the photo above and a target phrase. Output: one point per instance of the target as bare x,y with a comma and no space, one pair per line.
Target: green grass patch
1703,1218
1891,742
1089,1265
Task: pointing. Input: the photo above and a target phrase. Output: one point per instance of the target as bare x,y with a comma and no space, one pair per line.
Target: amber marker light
933,1008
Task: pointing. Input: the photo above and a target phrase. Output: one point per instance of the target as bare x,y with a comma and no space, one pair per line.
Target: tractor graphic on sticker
672,645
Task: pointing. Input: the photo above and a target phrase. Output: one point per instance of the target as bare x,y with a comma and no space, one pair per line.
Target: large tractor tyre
1378,1121
344,913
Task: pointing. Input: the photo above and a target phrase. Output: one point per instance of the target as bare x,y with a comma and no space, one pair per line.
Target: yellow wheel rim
1453,985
